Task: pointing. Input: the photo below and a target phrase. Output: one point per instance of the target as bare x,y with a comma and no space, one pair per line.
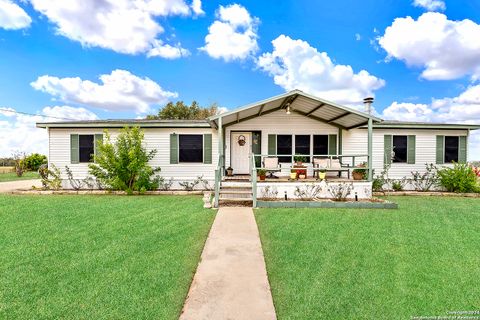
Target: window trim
94,147
393,148
445,149
203,148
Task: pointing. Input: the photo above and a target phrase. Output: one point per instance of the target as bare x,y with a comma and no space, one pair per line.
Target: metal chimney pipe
368,104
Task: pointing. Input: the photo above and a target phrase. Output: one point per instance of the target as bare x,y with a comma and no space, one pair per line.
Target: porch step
236,184
235,191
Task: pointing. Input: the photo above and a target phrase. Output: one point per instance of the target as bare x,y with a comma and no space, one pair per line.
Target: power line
31,114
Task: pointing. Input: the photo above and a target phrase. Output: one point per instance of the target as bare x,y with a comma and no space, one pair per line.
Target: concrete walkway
9,186
231,279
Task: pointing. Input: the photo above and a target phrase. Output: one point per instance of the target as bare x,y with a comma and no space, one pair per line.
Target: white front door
241,143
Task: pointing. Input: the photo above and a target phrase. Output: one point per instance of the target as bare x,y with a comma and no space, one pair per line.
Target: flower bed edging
427,193
326,204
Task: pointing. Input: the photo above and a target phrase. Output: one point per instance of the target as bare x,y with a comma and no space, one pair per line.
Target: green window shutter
462,149
272,144
98,140
332,144
207,148
411,150
387,147
440,154
173,148
74,149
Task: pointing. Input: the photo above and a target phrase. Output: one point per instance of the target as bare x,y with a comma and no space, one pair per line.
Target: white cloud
118,91
12,16
446,49
294,64
18,131
464,108
430,5
358,37
233,36
123,26
167,51
197,7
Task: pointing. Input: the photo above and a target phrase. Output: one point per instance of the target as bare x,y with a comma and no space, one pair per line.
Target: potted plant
322,173
262,173
299,160
293,175
229,171
360,173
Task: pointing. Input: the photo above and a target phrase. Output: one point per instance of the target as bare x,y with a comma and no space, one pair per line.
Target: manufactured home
279,128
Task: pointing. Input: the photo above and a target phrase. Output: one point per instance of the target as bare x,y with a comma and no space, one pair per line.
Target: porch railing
218,179
352,160
253,177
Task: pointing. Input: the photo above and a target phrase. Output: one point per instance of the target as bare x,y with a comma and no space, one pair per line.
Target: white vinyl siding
355,142
155,138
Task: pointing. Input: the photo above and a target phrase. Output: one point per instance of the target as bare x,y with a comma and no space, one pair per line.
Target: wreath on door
241,140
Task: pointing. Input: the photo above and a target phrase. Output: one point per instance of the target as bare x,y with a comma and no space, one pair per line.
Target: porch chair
271,165
329,165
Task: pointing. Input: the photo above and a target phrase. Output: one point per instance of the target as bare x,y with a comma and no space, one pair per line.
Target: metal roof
300,103
392,124
120,123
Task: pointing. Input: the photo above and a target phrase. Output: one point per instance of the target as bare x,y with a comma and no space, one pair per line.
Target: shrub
425,181
76,184
460,178
123,164
308,191
341,191
269,193
165,185
51,178
33,161
399,185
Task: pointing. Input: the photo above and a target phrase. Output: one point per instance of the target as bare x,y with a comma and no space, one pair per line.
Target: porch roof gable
301,103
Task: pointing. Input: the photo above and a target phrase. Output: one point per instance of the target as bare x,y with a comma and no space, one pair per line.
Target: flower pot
302,176
262,178
322,175
229,172
357,175
293,175
299,163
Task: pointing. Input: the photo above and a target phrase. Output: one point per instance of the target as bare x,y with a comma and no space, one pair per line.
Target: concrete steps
236,191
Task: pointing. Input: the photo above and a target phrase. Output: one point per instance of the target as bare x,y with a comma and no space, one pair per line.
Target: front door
241,143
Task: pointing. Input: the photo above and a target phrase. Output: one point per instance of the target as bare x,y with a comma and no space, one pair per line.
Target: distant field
6,169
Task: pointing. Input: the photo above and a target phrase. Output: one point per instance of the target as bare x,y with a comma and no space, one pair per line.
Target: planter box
326,204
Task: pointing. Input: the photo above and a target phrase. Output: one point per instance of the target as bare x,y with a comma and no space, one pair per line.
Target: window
451,149
320,144
86,147
400,149
284,146
190,148
302,146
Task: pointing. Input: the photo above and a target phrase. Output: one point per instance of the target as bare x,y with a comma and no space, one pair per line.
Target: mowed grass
422,259
12,176
98,257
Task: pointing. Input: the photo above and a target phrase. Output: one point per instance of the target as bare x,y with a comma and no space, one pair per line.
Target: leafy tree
34,161
460,178
180,111
123,164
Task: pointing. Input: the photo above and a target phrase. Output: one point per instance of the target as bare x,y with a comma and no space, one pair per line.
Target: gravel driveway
9,186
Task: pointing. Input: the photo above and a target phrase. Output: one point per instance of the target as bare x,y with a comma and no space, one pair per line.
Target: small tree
19,158
123,164
180,110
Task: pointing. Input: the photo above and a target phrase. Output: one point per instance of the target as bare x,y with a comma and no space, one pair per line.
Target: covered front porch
299,133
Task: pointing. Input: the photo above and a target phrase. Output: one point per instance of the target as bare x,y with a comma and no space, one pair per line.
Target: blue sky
422,68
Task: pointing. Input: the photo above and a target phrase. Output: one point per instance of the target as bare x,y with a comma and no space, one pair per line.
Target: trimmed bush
461,178
33,161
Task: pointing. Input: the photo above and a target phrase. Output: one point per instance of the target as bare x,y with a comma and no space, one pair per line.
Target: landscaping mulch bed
373,203
100,192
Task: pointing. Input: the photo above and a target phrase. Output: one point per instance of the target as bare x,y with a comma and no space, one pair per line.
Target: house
294,123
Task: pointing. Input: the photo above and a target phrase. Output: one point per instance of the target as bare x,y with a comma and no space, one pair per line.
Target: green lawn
98,257
420,260
12,176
